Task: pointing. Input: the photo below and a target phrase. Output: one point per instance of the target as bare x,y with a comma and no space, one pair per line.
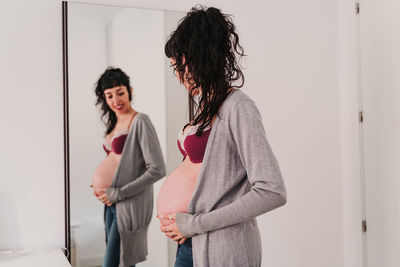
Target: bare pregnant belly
176,191
104,173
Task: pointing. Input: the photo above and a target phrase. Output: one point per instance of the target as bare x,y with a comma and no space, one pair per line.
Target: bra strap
134,114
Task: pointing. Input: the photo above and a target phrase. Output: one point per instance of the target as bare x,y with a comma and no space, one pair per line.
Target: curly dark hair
112,77
206,45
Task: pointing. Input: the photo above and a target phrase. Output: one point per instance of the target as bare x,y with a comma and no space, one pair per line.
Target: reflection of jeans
113,243
111,258
184,257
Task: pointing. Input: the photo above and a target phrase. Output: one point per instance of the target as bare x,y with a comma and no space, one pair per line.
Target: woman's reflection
123,181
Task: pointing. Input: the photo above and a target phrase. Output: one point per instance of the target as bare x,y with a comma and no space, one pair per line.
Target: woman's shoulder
234,98
141,121
141,116
239,95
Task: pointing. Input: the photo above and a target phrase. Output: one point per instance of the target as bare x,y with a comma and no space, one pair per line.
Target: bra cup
195,146
118,144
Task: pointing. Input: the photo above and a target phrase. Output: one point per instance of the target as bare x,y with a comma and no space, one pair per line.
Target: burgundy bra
117,141
192,145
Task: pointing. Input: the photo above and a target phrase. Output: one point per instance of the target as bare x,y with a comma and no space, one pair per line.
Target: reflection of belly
176,191
104,173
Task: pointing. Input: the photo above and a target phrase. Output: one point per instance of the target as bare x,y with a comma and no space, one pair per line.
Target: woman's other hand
171,230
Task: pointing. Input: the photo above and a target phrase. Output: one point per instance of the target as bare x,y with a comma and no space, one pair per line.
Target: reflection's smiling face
117,99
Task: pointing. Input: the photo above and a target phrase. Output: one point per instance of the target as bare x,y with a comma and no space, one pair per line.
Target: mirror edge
66,130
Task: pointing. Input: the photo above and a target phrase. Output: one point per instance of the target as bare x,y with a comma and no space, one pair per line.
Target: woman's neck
126,115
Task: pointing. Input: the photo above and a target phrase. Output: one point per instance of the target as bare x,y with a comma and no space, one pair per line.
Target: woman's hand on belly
171,230
164,220
101,195
94,191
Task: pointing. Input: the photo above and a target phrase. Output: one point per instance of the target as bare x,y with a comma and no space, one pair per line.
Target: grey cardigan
239,180
141,165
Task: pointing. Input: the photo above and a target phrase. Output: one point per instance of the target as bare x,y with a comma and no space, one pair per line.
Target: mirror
131,39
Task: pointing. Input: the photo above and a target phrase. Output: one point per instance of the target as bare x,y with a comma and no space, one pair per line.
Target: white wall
293,73
32,167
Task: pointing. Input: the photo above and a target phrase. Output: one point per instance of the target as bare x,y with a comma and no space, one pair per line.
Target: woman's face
177,74
117,99
185,78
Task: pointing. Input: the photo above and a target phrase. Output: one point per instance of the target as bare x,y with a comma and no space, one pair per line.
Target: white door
380,82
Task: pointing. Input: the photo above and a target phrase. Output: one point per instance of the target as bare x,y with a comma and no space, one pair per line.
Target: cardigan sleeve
267,190
153,158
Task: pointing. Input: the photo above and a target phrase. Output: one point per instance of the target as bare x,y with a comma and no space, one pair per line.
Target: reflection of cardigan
239,180
141,165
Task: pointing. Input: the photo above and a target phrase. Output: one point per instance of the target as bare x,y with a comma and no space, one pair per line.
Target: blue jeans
184,257
113,243
111,257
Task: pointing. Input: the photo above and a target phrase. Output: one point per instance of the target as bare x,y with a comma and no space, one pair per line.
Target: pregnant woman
229,174
124,179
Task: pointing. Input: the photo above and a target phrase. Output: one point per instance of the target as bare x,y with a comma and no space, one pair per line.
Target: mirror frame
66,130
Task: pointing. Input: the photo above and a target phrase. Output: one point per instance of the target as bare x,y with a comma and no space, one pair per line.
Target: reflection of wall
137,38
7,203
